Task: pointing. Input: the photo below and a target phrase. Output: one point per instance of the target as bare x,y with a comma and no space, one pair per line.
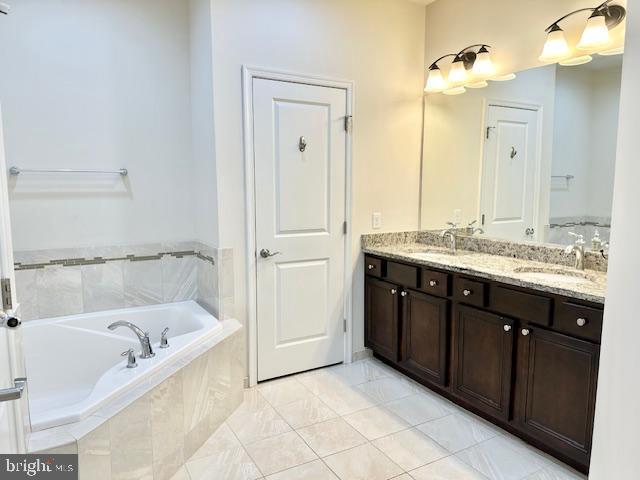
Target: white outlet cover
376,220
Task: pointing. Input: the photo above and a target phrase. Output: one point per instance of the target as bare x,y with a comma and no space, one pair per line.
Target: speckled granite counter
535,272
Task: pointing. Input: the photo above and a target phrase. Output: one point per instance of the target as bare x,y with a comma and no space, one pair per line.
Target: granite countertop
589,285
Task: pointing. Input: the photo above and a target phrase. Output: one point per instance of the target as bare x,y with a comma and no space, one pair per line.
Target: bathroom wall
379,45
98,85
454,140
515,29
615,444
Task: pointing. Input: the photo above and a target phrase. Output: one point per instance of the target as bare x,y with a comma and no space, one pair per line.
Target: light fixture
556,46
613,51
457,73
572,62
483,66
596,33
595,36
455,91
504,78
435,81
480,84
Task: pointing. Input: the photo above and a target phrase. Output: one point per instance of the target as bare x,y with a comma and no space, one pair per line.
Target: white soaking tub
74,366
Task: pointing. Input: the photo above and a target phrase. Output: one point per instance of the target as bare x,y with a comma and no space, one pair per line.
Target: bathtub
74,364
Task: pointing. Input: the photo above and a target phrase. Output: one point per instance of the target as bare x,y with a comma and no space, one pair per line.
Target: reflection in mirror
528,160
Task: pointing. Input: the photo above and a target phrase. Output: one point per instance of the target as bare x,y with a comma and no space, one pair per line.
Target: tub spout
145,343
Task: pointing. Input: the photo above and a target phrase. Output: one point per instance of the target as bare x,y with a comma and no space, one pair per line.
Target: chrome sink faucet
451,233
577,249
145,343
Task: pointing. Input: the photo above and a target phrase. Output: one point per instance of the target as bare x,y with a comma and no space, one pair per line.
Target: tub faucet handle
164,342
131,358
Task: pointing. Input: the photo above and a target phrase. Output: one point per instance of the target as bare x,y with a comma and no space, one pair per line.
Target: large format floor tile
284,391
331,437
376,422
363,463
280,453
419,408
316,470
501,459
457,431
345,400
232,464
222,439
410,449
449,468
257,426
359,372
387,389
556,472
306,412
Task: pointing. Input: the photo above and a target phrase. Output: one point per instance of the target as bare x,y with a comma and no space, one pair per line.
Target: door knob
393,291
433,283
525,332
265,253
466,293
507,328
581,322
404,294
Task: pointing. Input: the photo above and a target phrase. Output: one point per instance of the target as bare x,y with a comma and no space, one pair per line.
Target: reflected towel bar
17,171
566,177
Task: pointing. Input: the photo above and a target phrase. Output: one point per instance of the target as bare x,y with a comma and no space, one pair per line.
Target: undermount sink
555,274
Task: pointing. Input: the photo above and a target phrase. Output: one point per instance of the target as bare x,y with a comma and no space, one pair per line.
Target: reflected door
300,163
508,206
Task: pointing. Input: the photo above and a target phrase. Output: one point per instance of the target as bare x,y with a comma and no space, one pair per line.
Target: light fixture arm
614,19
435,64
470,47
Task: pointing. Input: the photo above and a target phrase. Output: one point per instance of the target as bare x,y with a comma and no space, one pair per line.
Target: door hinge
5,285
348,123
344,228
344,325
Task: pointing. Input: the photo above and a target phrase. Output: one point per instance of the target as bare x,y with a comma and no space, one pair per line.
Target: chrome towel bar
17,171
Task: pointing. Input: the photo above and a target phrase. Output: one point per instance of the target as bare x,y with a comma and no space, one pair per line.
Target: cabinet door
483,348
424,336
556,390
381,317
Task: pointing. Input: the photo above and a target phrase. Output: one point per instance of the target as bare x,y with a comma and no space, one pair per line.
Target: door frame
248,75
537,181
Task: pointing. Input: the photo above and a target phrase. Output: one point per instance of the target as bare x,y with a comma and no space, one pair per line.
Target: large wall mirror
531,159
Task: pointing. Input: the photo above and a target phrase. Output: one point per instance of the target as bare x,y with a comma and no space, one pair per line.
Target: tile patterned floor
362,421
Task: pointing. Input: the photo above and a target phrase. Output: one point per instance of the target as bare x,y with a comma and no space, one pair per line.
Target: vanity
513,340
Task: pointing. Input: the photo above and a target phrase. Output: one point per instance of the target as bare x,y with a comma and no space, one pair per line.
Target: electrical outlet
457,216
376,221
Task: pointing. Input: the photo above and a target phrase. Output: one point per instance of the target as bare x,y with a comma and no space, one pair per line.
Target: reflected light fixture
455,91
595,36
613,51
504,78
480,84
483,66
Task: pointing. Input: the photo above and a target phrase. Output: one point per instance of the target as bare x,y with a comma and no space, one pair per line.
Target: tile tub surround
492,266
537,252
54,283
152,430
415,436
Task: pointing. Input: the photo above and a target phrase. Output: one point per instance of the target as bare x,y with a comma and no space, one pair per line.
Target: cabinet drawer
579,320
525,306
435,283
470,292
373,266
401,274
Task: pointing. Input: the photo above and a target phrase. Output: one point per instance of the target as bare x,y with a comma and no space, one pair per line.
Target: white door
508,206
13,413
300,163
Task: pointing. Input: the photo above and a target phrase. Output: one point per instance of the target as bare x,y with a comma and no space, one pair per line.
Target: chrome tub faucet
143,337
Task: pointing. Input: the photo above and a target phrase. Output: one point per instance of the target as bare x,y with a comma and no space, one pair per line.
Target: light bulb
457,74
596,33
455,91
556,47
483,66
435,81
572,62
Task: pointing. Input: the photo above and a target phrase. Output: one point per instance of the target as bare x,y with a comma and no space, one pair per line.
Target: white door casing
13,414
300,209
510,173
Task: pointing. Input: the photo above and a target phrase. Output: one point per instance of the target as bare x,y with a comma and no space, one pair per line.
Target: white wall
616,445
454,140
379,44
98,84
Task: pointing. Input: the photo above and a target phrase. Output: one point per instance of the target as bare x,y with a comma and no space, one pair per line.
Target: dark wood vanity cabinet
424,336
523,359
483,359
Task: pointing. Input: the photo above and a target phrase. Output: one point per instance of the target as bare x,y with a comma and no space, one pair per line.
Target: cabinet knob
404,294
393,291
525,332
371,267
433,283
581,322
466,293
507,328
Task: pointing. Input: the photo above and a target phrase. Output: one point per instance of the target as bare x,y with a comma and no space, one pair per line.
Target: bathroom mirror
531,159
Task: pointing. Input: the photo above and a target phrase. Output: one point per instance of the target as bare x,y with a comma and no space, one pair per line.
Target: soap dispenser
596,242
